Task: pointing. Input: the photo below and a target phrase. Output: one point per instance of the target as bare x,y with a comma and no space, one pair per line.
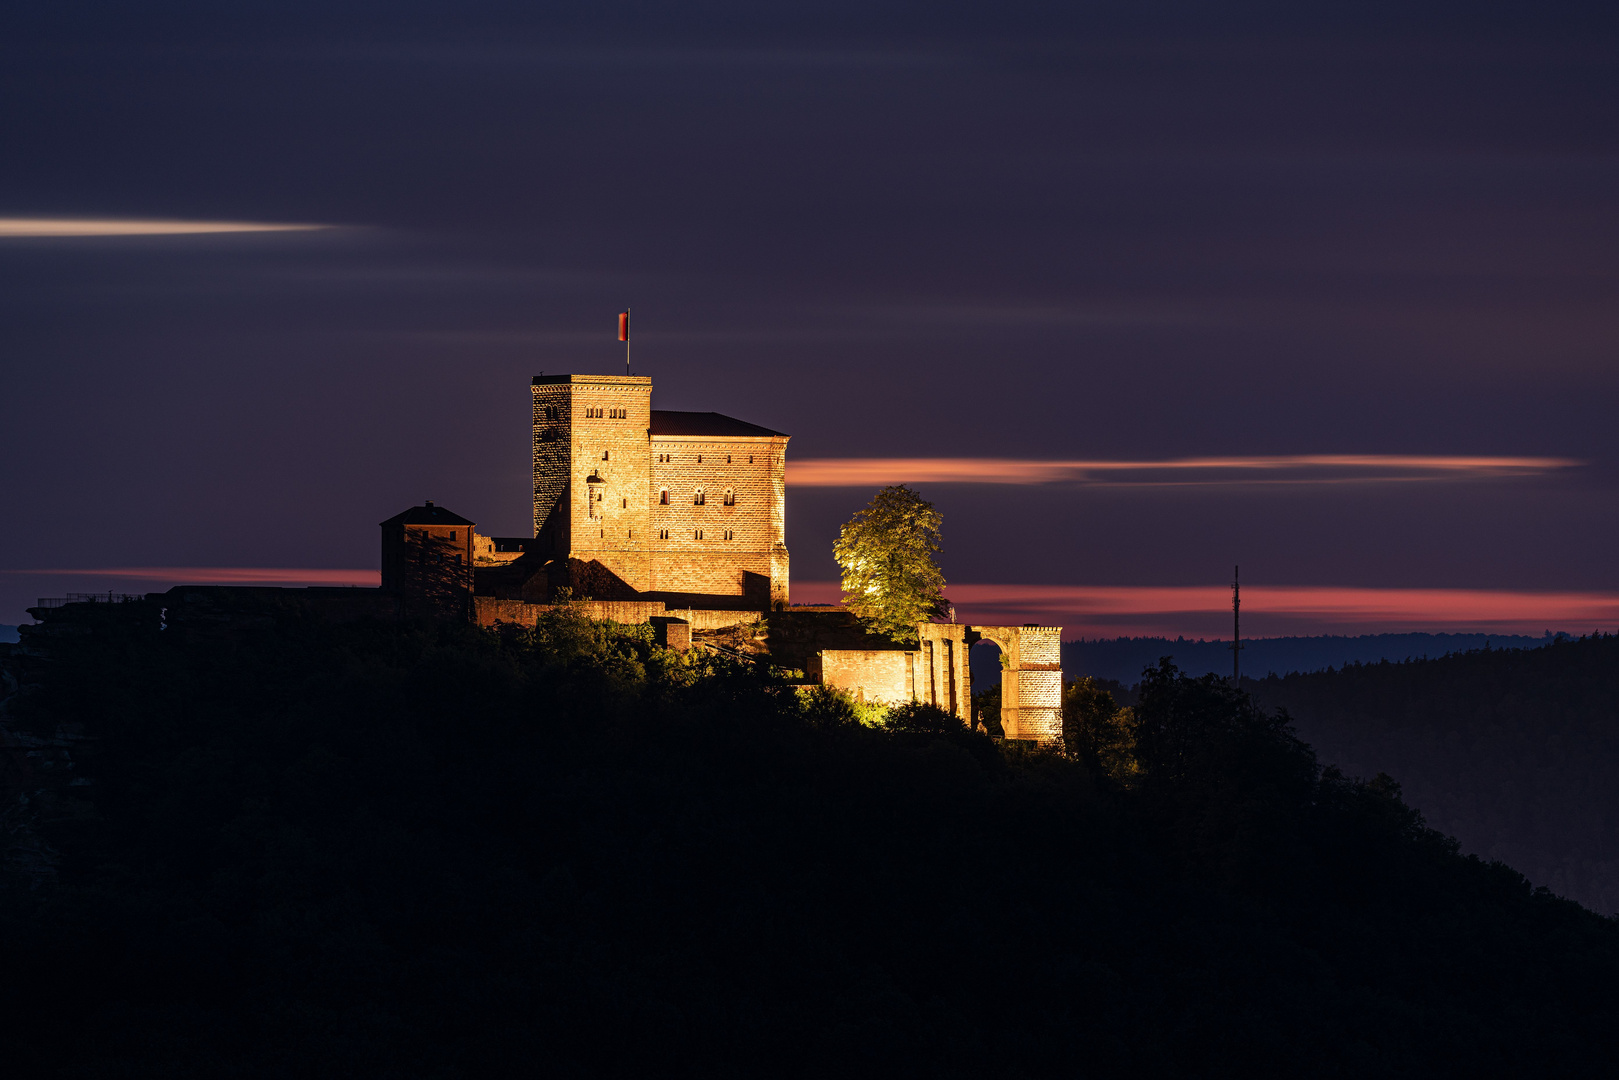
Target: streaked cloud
215,575
39,227
1267,610
1287,469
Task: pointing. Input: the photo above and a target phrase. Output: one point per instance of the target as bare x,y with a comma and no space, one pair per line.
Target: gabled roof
713,424
427,515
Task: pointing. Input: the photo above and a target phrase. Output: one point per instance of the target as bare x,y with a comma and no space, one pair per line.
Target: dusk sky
1133,293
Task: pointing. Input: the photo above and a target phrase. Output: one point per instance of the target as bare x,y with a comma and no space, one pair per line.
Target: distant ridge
8,633
1123,658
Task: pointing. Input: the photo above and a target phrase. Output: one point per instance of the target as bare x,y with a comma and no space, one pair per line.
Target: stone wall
722,529
488,611
880,675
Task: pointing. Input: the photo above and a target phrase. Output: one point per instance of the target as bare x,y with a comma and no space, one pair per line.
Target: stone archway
1031,675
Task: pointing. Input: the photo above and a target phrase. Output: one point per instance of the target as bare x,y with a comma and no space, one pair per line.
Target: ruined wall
732,542
942,674
880,675
591,461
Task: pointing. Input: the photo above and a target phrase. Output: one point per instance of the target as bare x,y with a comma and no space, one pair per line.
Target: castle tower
592,460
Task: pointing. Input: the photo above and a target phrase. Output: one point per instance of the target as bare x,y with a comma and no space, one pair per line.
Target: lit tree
886,552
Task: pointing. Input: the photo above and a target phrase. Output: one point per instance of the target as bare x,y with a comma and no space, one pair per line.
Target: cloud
1267,610
81,227
1287,469
217,575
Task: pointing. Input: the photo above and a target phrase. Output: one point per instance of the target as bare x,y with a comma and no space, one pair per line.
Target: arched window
606,455
663,497
730,497
699,499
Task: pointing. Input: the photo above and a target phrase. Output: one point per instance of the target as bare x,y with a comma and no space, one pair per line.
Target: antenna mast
1236,628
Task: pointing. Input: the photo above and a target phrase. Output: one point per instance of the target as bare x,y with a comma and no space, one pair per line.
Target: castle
678,519
632,505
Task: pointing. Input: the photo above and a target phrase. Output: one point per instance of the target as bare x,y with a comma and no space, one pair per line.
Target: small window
727,459
699,459
663,534
730,497
699,534
729,534
663,497
699,499
452,534
626,505
606,455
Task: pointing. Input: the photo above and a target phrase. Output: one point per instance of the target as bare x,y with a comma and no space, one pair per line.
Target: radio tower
1236,628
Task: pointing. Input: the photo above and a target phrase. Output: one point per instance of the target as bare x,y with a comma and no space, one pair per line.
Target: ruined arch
1031,674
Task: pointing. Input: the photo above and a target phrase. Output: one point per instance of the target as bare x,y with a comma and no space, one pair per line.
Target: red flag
623,326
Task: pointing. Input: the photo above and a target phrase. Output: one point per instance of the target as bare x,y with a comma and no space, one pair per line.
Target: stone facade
647,503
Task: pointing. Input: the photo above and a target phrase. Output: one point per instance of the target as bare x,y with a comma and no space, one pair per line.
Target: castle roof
427,515
710,424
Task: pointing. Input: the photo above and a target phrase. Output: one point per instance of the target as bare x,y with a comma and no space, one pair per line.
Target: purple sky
1009,232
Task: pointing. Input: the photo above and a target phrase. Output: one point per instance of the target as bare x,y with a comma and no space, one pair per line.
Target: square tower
592,458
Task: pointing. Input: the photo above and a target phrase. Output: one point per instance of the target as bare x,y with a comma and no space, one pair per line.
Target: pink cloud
218,575
1267,610
1290,469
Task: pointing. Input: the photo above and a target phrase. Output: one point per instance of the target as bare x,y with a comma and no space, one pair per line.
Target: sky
1134,293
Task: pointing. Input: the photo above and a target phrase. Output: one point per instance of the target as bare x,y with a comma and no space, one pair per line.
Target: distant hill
1513,752
1123,658
8,633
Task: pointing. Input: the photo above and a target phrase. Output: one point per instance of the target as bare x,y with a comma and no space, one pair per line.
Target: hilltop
388,849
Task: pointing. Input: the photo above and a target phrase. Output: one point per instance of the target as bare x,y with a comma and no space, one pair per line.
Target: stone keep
677,505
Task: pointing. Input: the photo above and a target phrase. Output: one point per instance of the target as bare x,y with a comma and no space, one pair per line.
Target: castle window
663,497
699,499
663,534
730,497
750,459
605,455
452,534
699,459
626,505
698,534
727,459
729,534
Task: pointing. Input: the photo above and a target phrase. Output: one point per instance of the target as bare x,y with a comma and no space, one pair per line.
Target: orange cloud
1267,610
1290,469
70,227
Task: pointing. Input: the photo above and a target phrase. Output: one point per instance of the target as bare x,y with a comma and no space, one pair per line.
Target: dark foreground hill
1515,752
374,851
